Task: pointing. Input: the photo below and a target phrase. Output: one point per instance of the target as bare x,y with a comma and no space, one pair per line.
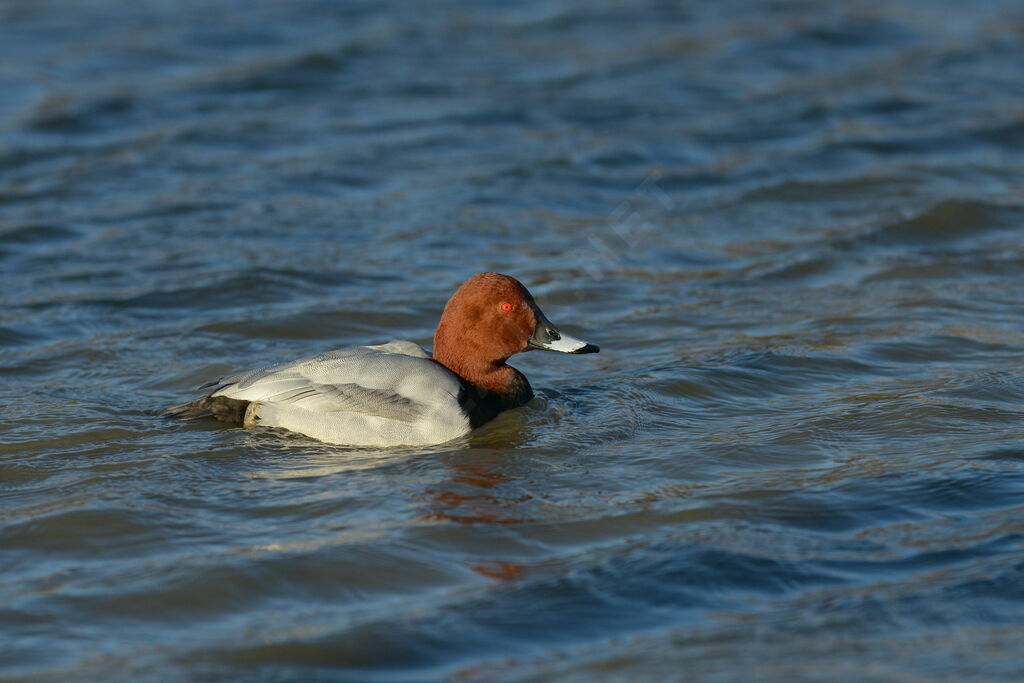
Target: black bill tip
589,348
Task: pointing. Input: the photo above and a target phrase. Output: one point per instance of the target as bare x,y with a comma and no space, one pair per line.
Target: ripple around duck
10,336
834,191
590,414
1005,136
83,533
307,71
874,619
36,234
937,348
86,115
947,223
614,595
994,386
355,323
764,375
261,286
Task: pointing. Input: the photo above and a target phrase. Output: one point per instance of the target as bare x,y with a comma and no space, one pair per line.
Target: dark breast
482,406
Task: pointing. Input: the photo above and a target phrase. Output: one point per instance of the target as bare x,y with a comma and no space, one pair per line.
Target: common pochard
396,393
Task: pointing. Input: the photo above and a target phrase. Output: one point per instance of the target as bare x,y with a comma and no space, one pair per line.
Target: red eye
505,307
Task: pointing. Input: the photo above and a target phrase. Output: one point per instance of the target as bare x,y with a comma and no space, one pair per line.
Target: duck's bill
548,337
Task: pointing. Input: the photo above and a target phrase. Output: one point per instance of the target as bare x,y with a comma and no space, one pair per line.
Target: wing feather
395,381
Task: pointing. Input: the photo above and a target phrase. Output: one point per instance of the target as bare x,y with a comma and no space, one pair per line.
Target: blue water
794,229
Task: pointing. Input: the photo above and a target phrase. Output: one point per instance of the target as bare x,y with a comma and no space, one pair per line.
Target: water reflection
471,494
456,484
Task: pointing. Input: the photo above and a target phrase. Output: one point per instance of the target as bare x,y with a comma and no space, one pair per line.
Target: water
793,228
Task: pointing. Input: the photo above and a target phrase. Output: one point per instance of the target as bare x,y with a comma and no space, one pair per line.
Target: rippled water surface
793,227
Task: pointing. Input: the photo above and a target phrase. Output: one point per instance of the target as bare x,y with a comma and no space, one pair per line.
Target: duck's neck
495,378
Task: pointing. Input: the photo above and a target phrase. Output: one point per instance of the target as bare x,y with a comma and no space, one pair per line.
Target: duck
398,394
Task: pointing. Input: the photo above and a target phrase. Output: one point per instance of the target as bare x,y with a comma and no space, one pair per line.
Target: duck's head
491,317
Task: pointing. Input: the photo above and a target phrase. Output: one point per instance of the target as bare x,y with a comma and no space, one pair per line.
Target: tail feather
187,411
230,410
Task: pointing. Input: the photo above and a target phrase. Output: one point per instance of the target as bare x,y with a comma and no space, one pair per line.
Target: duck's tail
230,410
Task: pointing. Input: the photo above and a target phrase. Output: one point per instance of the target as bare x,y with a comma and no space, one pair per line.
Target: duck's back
386,395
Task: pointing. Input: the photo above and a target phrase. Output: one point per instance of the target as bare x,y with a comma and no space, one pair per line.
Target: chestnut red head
491,317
